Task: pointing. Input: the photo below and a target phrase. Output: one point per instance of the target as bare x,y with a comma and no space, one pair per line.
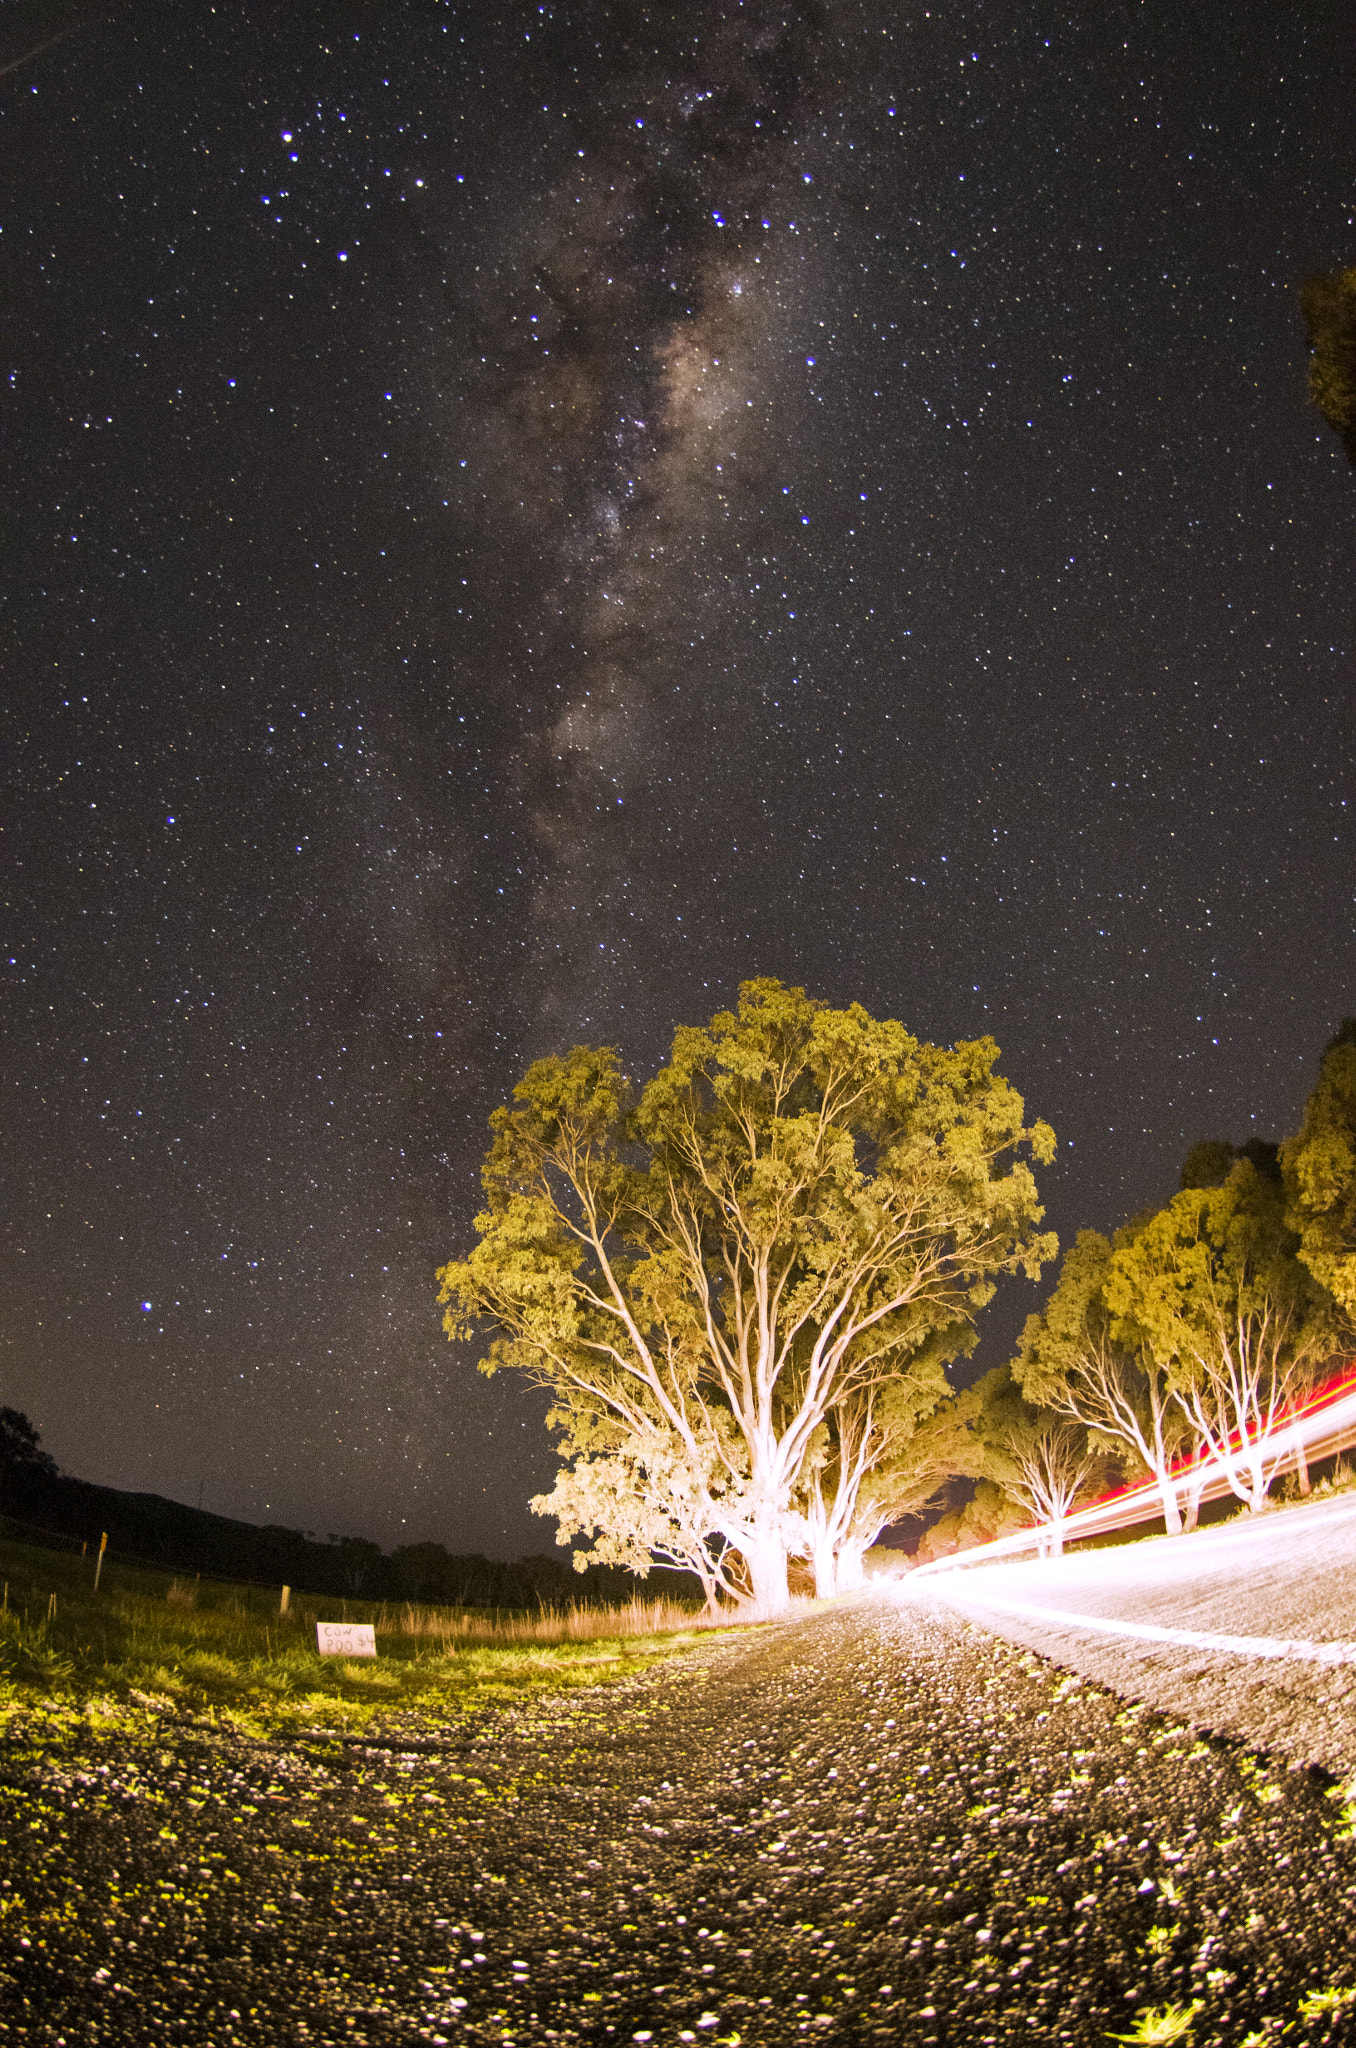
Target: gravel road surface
1247,1629
878,1824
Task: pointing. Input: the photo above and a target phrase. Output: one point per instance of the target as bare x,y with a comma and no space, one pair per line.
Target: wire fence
454,1624
42,1539
531,1617
39,1538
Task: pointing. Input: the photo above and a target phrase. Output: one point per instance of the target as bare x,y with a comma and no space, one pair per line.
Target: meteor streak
38,48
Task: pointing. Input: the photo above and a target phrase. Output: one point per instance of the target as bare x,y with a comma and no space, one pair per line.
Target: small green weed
1316,2004
1168,2023
1345,1796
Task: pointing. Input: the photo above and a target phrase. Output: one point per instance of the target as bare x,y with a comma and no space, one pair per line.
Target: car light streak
1294,1649
1322,1424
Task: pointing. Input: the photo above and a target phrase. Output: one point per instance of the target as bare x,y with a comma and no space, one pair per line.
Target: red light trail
1321,1425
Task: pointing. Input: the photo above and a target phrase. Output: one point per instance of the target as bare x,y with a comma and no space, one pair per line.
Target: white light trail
1295,1649
1322,1425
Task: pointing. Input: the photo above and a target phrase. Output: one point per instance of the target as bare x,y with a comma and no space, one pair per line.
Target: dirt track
880,1824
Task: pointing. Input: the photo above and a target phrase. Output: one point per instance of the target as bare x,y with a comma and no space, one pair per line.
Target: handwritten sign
346,1639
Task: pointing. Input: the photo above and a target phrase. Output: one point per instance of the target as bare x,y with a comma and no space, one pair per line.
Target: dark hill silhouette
37,1500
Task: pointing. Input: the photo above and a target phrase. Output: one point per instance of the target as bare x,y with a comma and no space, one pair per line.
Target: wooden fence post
99,1563
286,1600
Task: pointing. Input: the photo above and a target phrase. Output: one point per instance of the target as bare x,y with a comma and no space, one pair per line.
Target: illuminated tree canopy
1319,1166
1074,1360
1211,1293
1329,306
742,1281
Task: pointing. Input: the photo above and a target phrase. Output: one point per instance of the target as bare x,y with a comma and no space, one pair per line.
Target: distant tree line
35,1497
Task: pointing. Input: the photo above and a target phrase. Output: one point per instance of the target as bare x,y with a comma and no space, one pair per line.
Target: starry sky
519,519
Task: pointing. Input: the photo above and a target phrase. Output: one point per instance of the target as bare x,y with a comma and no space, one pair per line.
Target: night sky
517,521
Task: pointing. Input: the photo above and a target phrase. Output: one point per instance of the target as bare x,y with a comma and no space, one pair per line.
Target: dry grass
203,1647
453,1626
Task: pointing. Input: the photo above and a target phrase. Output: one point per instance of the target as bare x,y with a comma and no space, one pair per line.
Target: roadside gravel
878,1824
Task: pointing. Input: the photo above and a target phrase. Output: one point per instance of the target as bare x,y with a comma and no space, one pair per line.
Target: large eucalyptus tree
705,1271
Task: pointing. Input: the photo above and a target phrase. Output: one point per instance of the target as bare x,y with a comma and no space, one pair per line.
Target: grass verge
147,1642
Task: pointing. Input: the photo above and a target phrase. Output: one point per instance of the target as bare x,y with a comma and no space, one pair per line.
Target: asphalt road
1248,1628
879,1824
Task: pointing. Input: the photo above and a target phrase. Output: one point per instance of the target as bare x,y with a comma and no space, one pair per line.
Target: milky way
617,441
519,521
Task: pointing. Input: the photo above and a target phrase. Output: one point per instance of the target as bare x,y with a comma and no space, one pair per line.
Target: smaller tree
1053,1469
1072,1363
642,1502
1211,1291
1042,1460
1319,1169
21,1452
358,1560
881,1458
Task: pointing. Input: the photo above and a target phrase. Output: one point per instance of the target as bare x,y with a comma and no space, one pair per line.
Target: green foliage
1328,303
1074,1361
737,1270
1167,2023
1211,1291
1319,1167
1210,1258
990,1512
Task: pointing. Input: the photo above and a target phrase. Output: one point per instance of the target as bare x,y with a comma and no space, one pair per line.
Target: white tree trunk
1172,1510
710,1588
1302,1467
826,1569
851,1570
1257,1490
765,1559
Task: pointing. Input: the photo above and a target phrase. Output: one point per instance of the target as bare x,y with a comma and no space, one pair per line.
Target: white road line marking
1194,1639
